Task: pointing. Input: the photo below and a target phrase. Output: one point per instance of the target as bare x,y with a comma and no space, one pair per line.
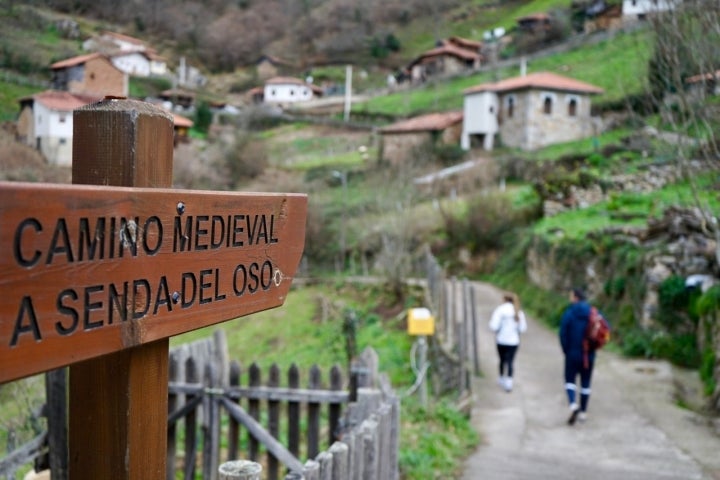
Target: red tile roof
704,76
449,49
71,62
540,80
64,101
425,123
534,17
181,121
125,38
464,43
284,81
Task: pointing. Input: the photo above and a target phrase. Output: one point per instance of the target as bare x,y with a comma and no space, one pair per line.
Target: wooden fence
453,349
346,434
215,416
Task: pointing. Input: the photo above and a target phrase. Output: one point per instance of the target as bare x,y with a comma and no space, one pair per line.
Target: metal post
422,352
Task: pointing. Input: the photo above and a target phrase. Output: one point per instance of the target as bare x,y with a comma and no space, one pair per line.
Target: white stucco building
46,123
136,64
289,90
639,9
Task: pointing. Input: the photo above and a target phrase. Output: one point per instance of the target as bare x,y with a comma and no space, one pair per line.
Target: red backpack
597,333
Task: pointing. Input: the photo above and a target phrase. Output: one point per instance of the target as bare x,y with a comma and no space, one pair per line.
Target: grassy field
619,66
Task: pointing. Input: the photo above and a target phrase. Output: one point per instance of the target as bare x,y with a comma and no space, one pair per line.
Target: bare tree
683,72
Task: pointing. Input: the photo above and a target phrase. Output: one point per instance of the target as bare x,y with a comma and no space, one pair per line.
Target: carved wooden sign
88,270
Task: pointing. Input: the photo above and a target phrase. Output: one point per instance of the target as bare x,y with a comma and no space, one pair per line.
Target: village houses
288,90
91,74
451,56
400,141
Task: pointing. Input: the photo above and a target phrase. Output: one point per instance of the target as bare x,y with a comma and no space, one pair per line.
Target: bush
681,350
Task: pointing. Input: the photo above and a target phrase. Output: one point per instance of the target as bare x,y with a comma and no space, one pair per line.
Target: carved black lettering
238,230
111,235
60,243
140,298
239,280
89,239
201,232
204,286
117,302
254,283
262,231
152,224
63,309
17,244
266,273
26,309
251,229
217,231
273,238
163,296
217,286
89,307
188,298
182,239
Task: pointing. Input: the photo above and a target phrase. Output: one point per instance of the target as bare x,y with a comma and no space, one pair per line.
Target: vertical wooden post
240,470
118,402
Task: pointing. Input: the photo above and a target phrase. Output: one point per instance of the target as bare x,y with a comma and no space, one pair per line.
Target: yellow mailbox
420,322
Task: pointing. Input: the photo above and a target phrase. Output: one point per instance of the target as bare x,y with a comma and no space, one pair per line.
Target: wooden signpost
99,277
93,270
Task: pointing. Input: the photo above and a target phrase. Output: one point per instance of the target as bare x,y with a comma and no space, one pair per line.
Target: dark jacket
572,329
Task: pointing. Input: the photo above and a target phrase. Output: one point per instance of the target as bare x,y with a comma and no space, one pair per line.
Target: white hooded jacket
507,329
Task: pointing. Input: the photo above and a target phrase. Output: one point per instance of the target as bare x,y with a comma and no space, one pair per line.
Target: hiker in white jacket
508,322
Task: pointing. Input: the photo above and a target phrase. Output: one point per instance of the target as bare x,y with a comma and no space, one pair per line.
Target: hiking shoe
582,416
508,384
574,411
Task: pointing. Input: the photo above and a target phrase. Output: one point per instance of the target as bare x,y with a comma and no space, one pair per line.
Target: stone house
400,140
92,74
46,123
528,112
268,66
449,58
700,86
534,23
602,16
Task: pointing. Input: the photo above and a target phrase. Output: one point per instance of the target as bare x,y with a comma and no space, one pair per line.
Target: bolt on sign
89,270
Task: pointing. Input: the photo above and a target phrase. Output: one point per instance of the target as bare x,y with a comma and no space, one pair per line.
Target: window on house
572,107
62,141
547,106
62,118
272,92
510,106
92,76
492,109
292,92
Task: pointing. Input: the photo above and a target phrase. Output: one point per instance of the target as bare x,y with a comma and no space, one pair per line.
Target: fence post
240,470
118,402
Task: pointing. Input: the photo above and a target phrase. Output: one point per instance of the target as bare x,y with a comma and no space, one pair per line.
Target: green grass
619,66
10,93
576,224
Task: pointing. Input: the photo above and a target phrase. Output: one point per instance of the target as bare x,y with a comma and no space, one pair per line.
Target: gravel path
634,428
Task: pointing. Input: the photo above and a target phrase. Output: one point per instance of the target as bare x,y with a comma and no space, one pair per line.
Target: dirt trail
634,428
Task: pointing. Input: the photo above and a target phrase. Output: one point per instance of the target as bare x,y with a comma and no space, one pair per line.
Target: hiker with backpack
508,322
582,331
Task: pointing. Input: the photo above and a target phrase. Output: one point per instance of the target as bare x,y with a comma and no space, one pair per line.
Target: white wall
135,64
287,93
642,7
480,112
55,131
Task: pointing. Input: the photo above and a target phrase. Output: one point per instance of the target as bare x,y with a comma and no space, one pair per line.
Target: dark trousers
506,354
573,367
